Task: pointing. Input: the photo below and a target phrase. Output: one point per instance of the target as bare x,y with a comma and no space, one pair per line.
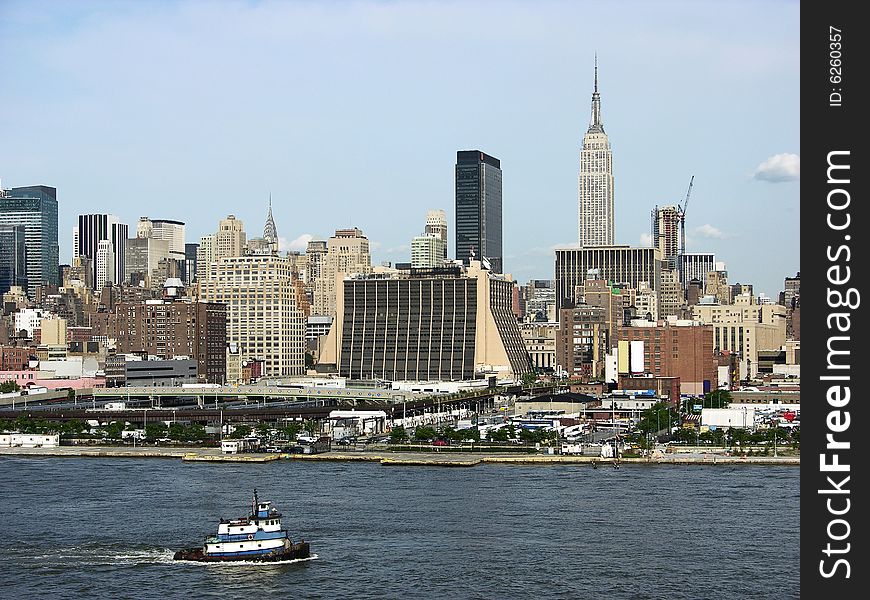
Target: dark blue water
107,528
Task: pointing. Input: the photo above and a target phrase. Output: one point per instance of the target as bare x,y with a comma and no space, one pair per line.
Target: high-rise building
595,209
91,230
204,255
427,251
188,273
227,241
35,208
270,232
792,295
695,266
347,252
263,319
582,341
436,224
616,264
164,229
670,294
716,284
446,324
479,209
13,257
105,264
172,329
666,233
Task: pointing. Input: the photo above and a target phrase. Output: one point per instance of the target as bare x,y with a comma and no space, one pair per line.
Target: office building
427,251
671,348
792,295
105,264
447,324
479,209
695,265
595,208
34,208
188,273
540,341
744,327
13,257
172,329
93,229
263,319
347,252
228,241
436,224
582,341
143,258
619,265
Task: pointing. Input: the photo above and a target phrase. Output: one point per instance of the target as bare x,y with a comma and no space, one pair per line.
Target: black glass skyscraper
478,208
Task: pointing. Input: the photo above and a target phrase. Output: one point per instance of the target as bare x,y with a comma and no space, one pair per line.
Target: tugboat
257,537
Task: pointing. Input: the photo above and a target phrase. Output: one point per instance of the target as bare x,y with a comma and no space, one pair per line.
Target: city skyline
122,130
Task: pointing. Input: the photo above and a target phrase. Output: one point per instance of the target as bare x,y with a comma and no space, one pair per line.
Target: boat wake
247,564
103,556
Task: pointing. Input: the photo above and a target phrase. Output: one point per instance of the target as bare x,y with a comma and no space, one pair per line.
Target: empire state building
595,182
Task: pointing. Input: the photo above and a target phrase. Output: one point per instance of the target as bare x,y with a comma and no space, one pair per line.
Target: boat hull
290,552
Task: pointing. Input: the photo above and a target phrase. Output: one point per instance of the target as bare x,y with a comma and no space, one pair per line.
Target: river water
107,528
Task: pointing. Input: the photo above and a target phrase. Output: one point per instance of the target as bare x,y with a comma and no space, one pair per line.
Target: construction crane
681,212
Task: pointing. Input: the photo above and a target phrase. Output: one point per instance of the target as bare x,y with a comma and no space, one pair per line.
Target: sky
349,114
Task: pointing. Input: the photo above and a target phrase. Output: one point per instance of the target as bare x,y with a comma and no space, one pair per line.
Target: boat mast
254,505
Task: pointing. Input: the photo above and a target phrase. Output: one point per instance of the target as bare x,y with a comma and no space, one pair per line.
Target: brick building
171,329
675,349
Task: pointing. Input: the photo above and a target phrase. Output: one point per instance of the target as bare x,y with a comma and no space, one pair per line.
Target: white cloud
708,231
300,244
646,239
401,249
778,168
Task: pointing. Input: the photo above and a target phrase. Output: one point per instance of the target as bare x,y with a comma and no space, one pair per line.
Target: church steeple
595,125
270,232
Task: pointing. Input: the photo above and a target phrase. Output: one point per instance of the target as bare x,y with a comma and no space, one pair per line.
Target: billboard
636,354
622,360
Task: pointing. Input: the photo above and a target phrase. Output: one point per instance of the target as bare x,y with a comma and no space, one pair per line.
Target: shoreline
454,459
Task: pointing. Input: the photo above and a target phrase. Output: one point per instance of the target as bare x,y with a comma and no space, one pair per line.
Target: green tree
113,430
717,399
398,434
9,386
155,431
657,418
240,431
529,379
739,436
176,432
291,431
424,432
470,433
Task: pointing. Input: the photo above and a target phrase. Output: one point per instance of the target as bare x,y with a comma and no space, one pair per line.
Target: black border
826,128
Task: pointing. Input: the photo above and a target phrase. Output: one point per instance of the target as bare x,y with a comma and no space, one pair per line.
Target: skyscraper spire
595,125
270,232
595,206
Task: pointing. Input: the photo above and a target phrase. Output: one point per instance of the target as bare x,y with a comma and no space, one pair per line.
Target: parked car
439,443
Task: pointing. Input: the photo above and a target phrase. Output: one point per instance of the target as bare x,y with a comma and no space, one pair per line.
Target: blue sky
351,113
